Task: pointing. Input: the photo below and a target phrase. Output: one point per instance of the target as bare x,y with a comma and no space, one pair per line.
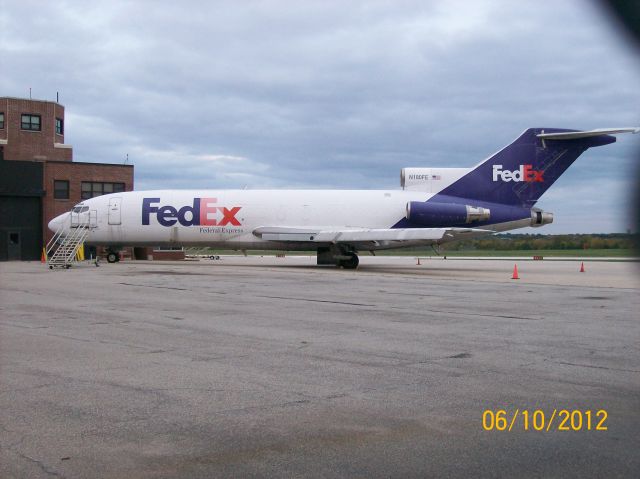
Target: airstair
62,249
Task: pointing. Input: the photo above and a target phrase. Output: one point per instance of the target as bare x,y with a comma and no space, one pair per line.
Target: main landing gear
350,263
338,256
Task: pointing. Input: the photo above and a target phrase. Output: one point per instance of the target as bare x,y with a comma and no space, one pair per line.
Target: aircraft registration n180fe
435,206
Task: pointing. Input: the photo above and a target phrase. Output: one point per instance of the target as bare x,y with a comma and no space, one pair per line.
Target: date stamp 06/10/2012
539,420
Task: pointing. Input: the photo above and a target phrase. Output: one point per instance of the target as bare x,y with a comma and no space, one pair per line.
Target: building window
30,122
1,120
91,189
61,189
59,126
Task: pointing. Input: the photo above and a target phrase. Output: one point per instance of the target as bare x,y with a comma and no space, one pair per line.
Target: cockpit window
80,209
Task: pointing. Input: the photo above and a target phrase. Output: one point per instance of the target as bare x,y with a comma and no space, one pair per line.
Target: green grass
549,253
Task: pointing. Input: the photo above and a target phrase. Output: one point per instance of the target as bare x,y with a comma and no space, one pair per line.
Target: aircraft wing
366,237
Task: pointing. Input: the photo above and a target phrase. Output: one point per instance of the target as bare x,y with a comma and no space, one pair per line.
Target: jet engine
539,217
444,214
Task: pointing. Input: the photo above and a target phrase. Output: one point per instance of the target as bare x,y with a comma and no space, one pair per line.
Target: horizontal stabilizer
574,135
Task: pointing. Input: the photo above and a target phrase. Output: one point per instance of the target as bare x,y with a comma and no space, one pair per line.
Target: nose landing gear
112,256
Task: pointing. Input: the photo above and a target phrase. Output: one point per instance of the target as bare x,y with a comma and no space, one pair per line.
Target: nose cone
55,224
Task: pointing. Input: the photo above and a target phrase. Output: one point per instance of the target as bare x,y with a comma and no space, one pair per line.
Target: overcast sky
330,94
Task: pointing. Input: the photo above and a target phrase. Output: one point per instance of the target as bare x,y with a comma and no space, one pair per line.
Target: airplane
434,206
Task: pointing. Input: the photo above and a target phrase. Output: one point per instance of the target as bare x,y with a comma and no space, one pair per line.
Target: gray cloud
321,94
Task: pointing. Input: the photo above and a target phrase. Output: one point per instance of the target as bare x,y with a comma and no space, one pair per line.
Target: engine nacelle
430,180
445,214
539,217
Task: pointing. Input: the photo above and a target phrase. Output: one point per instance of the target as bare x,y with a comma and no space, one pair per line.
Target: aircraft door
115,213
13,247
93,218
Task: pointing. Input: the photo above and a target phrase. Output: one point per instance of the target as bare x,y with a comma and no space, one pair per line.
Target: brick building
38,177
32,130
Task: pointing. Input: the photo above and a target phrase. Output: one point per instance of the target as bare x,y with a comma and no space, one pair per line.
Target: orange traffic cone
418,262
515,272
43,257
582,267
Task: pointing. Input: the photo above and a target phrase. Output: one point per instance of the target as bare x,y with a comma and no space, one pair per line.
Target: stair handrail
74,241
67,250
54,239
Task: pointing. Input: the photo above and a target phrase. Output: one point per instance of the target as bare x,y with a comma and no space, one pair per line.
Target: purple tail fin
520,173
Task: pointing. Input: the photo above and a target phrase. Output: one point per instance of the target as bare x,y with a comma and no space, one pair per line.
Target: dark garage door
20,228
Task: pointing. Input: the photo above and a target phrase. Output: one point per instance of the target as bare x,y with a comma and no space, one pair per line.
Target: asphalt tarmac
271,367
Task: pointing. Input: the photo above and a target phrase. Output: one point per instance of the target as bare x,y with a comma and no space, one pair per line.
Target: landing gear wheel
112,257
351,263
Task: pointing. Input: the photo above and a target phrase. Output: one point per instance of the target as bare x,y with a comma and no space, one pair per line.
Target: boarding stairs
62,249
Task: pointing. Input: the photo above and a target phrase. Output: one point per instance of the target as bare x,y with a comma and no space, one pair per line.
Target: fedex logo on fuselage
524,173
203,212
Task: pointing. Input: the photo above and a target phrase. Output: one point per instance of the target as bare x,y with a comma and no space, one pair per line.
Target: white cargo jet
434,206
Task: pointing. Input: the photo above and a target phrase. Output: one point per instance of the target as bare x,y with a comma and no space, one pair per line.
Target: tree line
525,242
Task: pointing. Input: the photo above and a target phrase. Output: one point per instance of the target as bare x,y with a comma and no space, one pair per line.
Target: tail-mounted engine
445,214
539,217
430,180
